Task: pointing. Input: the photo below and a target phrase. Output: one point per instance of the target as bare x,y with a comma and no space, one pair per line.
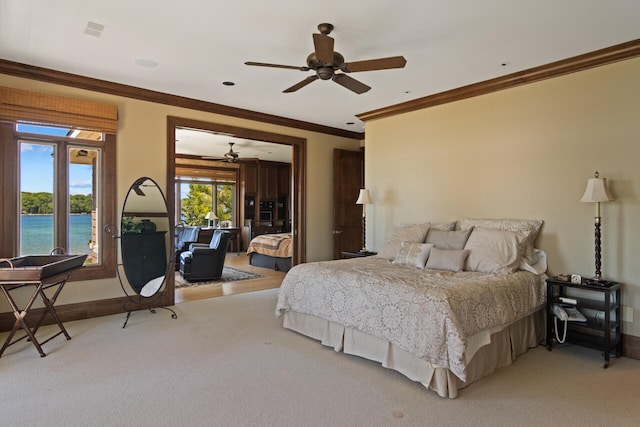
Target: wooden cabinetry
144,256
268,181
250,171
284,181
265,197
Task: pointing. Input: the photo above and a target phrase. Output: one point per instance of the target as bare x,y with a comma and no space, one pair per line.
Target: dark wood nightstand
359,254
600,303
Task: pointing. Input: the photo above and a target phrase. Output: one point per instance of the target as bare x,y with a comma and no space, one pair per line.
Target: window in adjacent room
196,198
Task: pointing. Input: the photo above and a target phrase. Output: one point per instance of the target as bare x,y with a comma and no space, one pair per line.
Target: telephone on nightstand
566,314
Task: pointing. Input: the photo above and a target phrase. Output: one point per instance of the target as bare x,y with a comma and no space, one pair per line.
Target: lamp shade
596,191
364,198
211,216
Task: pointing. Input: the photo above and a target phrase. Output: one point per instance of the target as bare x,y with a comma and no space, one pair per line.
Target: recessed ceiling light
505,64
350,123
228,83
145,63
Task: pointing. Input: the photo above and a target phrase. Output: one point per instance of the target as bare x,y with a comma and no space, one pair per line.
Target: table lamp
364,198
211,217
597,193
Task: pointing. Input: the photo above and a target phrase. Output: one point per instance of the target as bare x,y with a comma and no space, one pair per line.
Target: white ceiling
209,144
199,44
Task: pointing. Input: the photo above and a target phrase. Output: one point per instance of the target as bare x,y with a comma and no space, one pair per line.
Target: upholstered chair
205,262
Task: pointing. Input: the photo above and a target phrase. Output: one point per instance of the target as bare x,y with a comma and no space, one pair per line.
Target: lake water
37,234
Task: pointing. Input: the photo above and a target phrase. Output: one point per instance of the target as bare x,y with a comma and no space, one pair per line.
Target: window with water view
59,181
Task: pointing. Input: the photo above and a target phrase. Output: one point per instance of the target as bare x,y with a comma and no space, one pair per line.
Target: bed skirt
266,261
487,351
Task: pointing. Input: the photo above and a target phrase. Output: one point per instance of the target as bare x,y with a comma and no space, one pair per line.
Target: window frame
184,179
10,210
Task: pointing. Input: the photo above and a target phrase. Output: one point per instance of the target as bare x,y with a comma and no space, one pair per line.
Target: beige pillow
447,259
415,254
445,226
494,251
529,227
404,233
448,239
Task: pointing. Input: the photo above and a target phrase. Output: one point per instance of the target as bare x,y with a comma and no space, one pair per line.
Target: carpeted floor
229,274
229,362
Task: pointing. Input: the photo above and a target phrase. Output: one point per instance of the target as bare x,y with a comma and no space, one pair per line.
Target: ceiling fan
326,62
229,157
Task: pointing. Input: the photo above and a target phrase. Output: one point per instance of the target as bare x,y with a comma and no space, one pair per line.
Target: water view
37,234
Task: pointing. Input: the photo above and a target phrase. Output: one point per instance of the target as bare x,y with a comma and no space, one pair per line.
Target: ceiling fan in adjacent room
329,64
229,157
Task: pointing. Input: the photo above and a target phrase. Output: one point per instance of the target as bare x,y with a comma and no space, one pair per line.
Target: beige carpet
228,362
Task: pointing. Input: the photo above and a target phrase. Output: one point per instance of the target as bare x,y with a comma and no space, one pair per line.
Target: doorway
298,170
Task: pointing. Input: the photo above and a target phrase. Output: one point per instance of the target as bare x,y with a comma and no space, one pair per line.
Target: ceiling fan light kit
325,61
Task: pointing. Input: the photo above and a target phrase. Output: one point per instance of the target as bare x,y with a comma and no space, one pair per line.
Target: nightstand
600,303
359,254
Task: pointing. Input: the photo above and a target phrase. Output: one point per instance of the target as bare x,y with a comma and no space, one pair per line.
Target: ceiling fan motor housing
325,71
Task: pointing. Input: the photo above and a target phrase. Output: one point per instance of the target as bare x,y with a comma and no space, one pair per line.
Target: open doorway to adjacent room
246,181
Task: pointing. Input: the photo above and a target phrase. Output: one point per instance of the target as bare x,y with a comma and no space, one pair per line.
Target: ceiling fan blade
301,84
374,64
324,48
264,64
351,83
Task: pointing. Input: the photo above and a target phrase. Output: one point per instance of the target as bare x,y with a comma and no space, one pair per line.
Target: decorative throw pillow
444,226
494,251
413,254
529,227
448,239
398,234
447,259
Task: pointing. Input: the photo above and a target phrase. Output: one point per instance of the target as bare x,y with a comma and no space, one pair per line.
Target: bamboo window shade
24,106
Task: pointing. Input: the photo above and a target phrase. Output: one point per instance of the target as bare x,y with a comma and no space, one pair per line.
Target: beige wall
141,149
523,153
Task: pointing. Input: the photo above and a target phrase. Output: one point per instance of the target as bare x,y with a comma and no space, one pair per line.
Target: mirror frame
153,285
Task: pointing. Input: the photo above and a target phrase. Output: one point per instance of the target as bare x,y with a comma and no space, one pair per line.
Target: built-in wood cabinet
265,197
268,182
250,171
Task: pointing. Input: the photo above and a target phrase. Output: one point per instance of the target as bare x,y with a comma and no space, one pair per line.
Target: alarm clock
576,278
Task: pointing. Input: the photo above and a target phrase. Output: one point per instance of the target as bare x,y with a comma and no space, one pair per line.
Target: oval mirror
144,237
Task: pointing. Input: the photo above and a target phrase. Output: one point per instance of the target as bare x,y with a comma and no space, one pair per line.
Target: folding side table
42,273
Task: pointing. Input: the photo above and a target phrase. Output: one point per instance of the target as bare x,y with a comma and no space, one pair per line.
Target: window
60,201
196,198
58,166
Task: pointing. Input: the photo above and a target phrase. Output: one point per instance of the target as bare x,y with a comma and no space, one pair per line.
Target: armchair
186,235
205,262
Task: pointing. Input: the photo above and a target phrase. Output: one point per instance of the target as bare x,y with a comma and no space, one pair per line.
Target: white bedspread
428,313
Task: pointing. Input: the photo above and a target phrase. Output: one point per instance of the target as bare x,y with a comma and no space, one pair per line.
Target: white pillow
494,251
415,233
447,259
529,227
413,254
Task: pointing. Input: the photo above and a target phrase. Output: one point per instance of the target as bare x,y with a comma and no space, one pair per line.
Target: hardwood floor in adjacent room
271,279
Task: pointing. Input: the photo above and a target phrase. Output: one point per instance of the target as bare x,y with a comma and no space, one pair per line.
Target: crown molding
17,69
574,64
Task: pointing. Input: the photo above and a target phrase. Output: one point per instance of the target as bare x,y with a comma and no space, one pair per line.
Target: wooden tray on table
34,268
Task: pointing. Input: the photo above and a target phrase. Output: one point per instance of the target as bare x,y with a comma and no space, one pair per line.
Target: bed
443,307
272,251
